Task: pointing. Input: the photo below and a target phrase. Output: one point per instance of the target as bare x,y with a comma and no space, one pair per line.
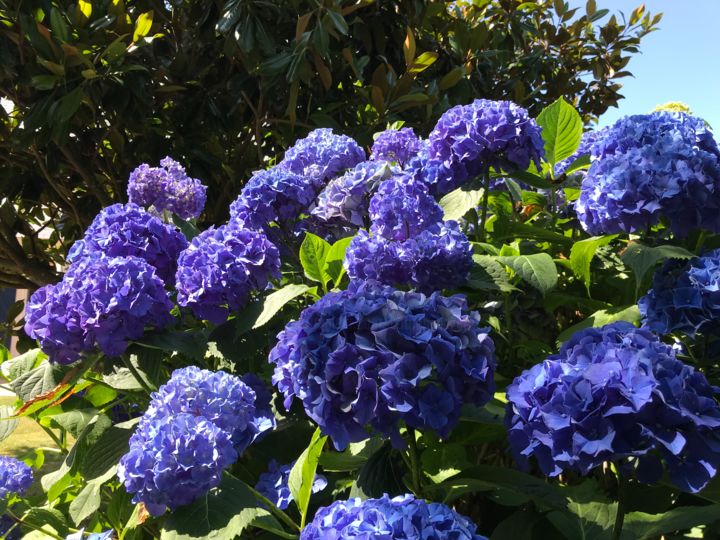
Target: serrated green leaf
107,450
333,269
641,258
86,503
643,525
602,317
582,254
562,130
487,274
74,421
8,422
538,270
352,458
38,381
302,475
23,363
313,252
459,202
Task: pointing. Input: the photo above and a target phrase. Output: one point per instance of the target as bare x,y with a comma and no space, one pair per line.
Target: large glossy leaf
302,475
582,254
641,258
459,202
562,130
313,252
538,270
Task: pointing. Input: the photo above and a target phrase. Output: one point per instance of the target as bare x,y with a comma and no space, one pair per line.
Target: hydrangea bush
497,327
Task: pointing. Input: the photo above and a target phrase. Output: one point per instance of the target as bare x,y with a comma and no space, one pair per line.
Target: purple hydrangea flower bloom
15,476
685,297
395,145
346,199
322,155
649,167
167,188
402,208
274,195
195,427
126,230
175,460
612,393
468,140
231,403
372,257
432,172
399,518
105,302
81,535
370,357
273,484
221,267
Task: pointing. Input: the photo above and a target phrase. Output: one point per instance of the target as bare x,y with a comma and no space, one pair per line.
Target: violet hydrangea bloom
368,358
399,518
126,230
650,167
104,302
432,172
346,199
222,267
274,195
322,155
614,393
396,145
469,140
273,484
167,188
196,426
15,476
685,297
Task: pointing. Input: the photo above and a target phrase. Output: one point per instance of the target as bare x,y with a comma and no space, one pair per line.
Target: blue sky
678,62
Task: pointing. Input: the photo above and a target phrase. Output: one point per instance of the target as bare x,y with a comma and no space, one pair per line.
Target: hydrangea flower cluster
613,393
275,195
221,267
196,426
126,230
273,484
322,155
15,476
685,296
469,140
167,188
396,146
346,199
409,243
649,167
370,357
399,518
103,302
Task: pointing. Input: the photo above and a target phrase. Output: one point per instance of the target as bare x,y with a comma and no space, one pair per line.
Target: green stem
700,242
275,510
55,438
486,195
414,464
33,527
128,363
620,514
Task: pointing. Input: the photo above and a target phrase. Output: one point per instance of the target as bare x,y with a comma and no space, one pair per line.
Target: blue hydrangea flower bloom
649,167
167,188
396,146
81,535
174,460
126,230
221,267
403,208
273,484
432,172
613,393
399,518
274,195
470,139
346,199
104,302
195,427
365,359
15,476
240,407
322,155
685,296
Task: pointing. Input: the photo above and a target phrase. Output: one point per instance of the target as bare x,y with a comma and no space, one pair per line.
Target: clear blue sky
678,62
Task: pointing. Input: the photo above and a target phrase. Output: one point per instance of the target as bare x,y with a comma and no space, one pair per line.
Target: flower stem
414,464
486,195
620,514
274,509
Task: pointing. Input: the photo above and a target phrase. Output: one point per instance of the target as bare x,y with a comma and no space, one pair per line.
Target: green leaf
352,458
74,421
313,252
644,525
46,518
641,258
26,362
333,269
143,24
562,130
583,162
459,202
487,274
585,521
275,301
601,318
379,475
422,62
302,475
107,450
58,25
224,513
38,381
582,254
532,179
85,503
445,461
338,21
8,422
538,270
